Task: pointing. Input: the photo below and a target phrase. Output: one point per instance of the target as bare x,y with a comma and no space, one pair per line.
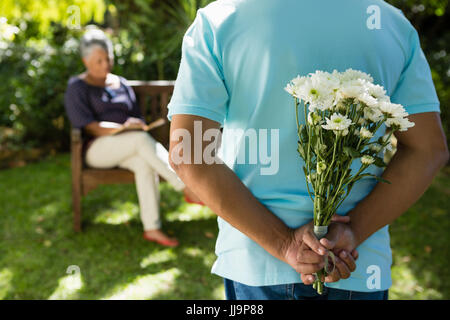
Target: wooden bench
152,97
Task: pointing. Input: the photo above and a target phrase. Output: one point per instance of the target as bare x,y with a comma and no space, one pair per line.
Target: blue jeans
295,291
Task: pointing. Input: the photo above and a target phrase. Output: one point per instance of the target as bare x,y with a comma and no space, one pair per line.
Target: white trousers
141,153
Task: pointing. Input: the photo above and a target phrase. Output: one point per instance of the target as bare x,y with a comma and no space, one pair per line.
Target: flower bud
321,166
367,160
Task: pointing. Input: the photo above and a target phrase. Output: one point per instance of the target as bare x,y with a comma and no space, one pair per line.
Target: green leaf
303,133
350,186
373,176
379,162
301,150
351,152
381,179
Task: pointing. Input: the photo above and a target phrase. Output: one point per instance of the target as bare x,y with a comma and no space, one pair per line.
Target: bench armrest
75,135
156,124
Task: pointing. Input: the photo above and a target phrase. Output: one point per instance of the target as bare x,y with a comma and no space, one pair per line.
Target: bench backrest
153,98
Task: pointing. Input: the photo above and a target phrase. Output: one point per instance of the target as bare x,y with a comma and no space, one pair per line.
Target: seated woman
95,96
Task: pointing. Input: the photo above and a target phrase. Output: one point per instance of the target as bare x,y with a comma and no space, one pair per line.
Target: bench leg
76,205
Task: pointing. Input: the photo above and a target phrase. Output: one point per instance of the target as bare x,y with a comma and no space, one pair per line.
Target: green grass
420,244
38,245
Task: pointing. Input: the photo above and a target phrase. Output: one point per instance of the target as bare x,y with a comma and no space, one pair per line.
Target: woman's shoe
166,243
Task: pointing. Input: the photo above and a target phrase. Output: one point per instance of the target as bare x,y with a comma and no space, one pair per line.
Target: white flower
294,86
375,147
350,74
373,114
318,89
392,110
367,99
317,93
337,122
367,160
377,92
331,80
365,133
290,88
351,89
401,124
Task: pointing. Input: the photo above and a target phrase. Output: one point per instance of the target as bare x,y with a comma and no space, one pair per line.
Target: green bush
37,65
34,107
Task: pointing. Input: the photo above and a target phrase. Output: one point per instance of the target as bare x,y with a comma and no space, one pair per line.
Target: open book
120,128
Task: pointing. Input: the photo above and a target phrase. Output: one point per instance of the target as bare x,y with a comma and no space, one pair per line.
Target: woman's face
98,64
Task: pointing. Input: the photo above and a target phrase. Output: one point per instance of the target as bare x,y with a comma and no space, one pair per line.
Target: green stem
296,116
307,157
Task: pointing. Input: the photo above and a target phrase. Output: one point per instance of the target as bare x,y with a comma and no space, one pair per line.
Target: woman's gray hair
95,38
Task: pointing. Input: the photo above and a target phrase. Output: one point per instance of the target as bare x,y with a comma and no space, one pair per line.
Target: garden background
38,54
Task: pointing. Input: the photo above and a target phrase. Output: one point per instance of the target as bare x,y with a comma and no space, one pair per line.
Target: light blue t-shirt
237,57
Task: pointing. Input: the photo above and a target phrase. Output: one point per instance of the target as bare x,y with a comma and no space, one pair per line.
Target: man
237,57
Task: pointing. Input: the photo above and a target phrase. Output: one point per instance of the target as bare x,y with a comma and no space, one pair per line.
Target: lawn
42,258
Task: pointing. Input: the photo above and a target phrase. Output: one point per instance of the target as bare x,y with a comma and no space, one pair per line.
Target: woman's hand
103,128
135,121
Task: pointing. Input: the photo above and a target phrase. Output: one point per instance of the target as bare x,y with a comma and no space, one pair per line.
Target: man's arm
224,193
421,152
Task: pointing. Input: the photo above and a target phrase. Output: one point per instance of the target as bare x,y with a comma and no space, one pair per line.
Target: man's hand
341,240
306,254
340,237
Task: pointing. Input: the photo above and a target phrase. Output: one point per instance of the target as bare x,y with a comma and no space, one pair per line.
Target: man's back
255,47
238,56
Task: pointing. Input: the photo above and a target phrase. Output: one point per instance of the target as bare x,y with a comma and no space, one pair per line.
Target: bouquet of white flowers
343,111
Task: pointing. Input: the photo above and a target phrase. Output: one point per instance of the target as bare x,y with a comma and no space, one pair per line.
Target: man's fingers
309,268
330,240
307,279
328,243
333,276
338,218
311,241
306,255
348,260
344,271
355,254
